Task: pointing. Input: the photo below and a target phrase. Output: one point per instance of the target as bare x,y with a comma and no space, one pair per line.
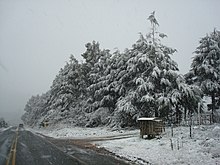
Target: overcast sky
38,36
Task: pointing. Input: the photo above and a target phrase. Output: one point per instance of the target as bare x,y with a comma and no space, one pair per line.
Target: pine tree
93,69
155,86
67,89
205,70
100,92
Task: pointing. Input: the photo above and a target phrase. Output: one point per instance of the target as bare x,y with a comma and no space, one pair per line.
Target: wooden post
172,130
213,106
178,144
171,144
199,115
190,130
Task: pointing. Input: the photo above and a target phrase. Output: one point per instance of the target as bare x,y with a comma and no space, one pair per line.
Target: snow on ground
4,129
202,148
67,131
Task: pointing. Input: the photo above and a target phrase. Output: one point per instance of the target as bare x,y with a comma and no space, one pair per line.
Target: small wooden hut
151,126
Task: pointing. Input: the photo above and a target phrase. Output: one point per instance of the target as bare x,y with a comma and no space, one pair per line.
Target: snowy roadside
202,148
68,131
4,129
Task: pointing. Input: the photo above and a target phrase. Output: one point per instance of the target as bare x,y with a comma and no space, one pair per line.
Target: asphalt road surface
33,149
6,139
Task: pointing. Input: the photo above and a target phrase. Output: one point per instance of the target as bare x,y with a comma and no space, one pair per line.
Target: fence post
171,144
199,115
190,130
172,130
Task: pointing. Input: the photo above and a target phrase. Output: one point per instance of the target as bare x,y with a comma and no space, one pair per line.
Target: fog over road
33,149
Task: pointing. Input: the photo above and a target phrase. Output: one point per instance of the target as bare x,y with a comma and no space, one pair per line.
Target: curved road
32,149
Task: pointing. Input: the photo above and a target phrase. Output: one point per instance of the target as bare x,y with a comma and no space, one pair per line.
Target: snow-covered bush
99,118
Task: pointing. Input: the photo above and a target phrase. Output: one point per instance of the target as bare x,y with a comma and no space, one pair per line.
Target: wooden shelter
44,124
151,127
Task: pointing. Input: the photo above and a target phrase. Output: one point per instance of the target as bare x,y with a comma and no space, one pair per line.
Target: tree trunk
185,113
213,106
156,113
177,114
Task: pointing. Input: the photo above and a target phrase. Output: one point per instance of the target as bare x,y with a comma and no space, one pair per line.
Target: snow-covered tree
3,123
114,83
92,53
94,64
68,87
153,85
118,88
65,88
99,94
35,109
205,67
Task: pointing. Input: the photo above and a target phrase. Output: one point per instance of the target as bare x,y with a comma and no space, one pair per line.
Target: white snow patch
46,156
215,133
